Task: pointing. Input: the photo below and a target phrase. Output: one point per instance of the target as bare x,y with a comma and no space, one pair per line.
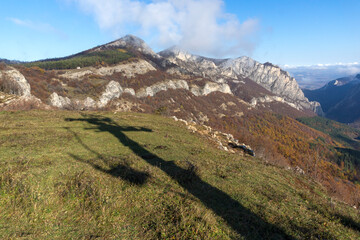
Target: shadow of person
241,219
115,167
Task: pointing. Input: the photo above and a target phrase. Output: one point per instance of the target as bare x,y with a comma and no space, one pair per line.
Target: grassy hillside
83,60
67,175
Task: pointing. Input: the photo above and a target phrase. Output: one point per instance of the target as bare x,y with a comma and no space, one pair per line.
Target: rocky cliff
267,75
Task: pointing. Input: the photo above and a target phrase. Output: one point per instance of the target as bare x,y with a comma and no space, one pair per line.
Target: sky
288,33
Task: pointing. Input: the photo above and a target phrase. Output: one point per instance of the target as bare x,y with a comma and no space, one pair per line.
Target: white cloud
40,27
200,26
315,76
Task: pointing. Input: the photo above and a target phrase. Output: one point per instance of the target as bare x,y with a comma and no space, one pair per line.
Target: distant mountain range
316,76
340,99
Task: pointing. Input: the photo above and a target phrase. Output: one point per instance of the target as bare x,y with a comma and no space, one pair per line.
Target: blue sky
305,32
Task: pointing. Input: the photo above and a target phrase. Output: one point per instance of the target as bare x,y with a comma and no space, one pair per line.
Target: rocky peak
267,75
132,42
178,53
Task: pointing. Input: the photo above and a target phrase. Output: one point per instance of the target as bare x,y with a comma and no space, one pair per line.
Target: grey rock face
89,103
267,75
271,78
113,90
20,85
162,86
58,101
209,88
128,70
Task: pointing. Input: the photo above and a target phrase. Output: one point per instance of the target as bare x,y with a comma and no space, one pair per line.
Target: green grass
84,60
68,175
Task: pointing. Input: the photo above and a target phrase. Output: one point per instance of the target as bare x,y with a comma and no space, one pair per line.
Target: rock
58,101
268,99
113,90
89,103
244,147
128,70
298,170
162,86
215,87
267,75
22,103
129,91
209,88
20,85
272,78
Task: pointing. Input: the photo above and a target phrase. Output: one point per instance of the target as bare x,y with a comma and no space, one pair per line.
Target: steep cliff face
272,78
267,75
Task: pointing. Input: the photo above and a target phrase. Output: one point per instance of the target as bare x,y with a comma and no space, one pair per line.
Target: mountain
267,75
339,98
257,104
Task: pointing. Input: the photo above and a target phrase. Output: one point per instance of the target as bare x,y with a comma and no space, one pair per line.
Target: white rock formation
162,86
113,90
267,75
128,70
58,101
209,88
89,103
273,79
21,87
269,99
129,91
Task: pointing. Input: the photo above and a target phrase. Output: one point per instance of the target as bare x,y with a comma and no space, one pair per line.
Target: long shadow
349,222
117,167
242,220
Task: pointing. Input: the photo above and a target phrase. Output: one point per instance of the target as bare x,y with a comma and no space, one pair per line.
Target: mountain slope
339,98
217,93
137,176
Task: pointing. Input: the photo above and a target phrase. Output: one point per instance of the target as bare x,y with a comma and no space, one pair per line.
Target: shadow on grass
349,222
242,220
116,167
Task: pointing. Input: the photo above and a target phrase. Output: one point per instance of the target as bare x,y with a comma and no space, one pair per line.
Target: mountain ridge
339,98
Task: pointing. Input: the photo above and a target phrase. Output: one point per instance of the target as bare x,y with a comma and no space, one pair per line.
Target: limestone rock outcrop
162,86
17,83
267,75
209,88
113,90
128,70
59,101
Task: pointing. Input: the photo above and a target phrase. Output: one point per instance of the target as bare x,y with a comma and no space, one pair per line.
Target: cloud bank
199,26
315,76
